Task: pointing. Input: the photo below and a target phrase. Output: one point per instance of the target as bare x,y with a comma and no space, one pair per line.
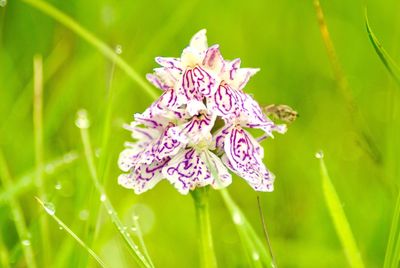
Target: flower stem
206,248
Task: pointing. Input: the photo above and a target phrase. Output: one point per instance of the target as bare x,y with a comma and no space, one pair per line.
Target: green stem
207,255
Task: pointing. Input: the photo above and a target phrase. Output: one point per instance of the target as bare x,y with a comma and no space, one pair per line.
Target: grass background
280,37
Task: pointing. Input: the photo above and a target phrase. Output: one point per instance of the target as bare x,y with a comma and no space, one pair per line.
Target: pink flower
175,136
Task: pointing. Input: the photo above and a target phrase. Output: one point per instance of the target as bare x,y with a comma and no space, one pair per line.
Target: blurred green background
280,37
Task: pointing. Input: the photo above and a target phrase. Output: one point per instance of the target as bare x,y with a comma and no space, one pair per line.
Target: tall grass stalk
18,216
339,219
256,253
39,151
206,247
26,181
392,256
264,225
93,40
361,127
83,124
51,212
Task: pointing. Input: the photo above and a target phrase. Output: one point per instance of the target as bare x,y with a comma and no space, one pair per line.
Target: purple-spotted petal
196,132
244,154
170,63
144,177
167,145
199,41
213,59
226,102
197,83
224,178
187,170
242,76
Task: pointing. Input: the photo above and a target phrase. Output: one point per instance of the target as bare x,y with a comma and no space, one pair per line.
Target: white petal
199,41
186,171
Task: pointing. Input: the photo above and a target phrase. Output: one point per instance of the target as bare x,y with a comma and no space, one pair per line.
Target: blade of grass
363,133
83,123
51,211
4,257
38,136
26,181
255,251
392,255
389,63
264,225
93,40
256,254
139,234
338,216
18,216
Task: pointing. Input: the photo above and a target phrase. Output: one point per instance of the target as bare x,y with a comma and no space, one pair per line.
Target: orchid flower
176,138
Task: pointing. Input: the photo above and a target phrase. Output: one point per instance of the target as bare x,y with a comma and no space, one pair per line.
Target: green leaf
389,63
339,219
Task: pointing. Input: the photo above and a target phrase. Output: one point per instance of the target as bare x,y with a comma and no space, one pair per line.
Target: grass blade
26,181
389,63
339,219
255,250
364,136
83,123
18,216
93,40
51,212
264,225
38,136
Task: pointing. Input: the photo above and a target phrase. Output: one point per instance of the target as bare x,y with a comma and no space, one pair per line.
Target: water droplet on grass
58,186
118,49
255,256
26,242
82,120
237,218
3,3
84,215
319,154
103,198
49,208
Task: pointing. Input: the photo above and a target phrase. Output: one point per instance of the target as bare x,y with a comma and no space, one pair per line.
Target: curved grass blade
339,219
51,211
93,40
83,123
18,216
39,149
389,63
25,182
256,253
364,136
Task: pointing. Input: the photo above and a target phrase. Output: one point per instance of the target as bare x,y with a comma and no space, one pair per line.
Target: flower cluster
195,131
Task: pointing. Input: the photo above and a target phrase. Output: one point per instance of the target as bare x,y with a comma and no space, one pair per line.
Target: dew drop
103,197
136,217
97,152
26,242
50,208
118,49
237,218
3,3
58,186
110,212
82,120
133,229
319,154
49,168
84,215
69,157
60,228
255,256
